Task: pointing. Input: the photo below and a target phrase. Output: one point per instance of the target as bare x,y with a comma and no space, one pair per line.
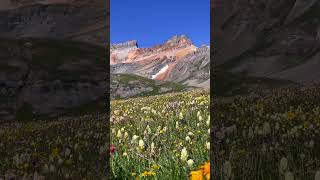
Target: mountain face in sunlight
177,60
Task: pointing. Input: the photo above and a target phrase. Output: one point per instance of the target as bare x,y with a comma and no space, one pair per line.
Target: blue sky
152,22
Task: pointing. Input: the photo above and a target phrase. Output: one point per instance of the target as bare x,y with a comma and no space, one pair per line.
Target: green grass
125,79
231,84
154,120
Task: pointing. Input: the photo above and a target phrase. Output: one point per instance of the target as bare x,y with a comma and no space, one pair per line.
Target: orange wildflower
196,175
202,174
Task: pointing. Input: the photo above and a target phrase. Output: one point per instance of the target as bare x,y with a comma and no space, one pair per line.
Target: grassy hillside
131,81
230,84
268,137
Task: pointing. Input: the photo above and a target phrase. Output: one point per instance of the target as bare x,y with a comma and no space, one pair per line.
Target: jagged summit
179,40
127,44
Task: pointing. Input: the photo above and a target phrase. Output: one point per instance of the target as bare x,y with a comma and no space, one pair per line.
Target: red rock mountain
159,62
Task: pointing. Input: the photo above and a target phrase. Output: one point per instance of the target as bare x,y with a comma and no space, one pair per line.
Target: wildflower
190,134
317,175
180,116
177,125
55,152
311,144
76,146
291,115
60,161
134,138
67,152
190,163
155,167
208,122
148,173
80,158
52,168
208,145
125,154
283,165
126,135
196,175
112,149
152,147
289,176
206,169
227,170
266,128
208,131
45,168
119,134
198,113
184,154
188,138
165,129
141,144
200,118
148,129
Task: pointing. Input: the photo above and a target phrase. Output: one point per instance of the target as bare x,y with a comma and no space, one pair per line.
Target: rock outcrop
49,78
82,20
120,52
267,39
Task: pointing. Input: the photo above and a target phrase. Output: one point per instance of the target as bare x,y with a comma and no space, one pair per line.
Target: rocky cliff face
269,39
176,60
120,52
60,19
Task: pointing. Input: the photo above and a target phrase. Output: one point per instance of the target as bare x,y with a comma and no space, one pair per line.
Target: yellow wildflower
148,173
55,152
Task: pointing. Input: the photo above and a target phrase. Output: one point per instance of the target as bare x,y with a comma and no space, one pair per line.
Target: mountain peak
179,40
127,44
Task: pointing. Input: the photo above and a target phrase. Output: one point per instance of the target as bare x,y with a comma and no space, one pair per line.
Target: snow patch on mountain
164,69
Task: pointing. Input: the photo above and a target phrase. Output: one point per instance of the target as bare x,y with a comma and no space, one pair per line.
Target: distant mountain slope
268,39
84,20
176,60
49,77
129,85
